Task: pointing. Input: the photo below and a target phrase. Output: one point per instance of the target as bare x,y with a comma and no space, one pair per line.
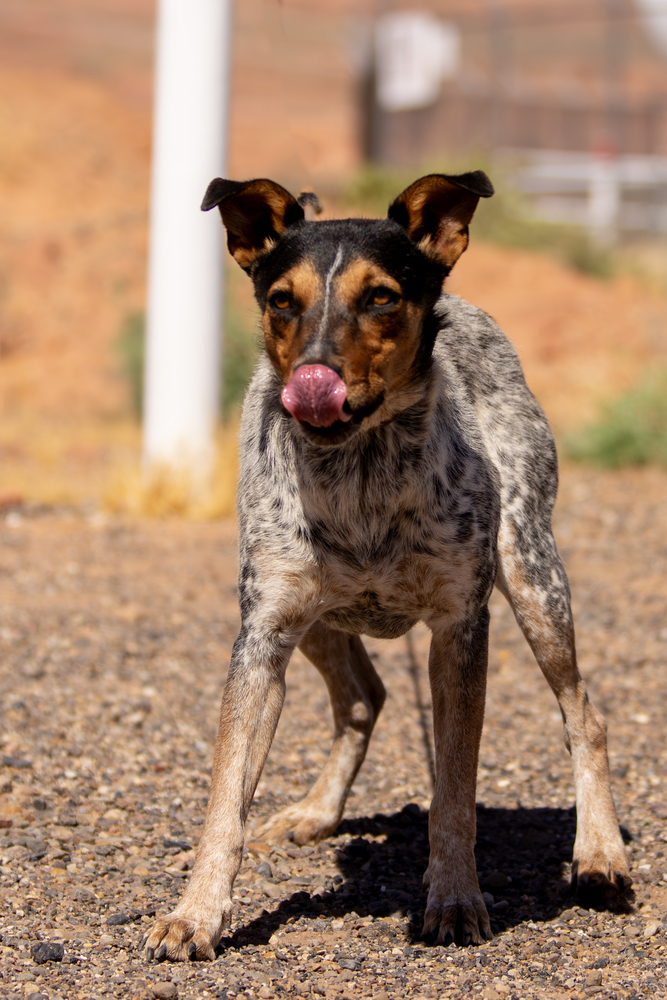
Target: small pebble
164,991
496,880
47,951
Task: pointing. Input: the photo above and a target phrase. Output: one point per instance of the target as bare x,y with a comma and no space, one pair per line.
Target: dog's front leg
455,910
251,706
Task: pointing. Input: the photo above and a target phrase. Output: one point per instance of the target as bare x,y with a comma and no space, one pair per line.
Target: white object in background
182,377
414,53
604,195
654,14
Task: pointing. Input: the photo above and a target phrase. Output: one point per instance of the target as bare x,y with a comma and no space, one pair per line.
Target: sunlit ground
97,463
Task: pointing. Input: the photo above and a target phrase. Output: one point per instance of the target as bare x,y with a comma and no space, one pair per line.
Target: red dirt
74,159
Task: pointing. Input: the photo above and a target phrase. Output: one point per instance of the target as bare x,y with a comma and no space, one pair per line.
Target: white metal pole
183,344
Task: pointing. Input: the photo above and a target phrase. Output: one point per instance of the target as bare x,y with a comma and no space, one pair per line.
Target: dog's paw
180,939
602,883
300,823
457,917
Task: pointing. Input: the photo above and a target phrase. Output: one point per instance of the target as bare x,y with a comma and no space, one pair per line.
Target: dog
394,467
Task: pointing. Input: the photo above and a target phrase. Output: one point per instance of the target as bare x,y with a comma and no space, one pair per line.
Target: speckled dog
394,466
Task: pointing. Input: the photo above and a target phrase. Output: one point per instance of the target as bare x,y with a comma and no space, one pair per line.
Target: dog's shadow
523,861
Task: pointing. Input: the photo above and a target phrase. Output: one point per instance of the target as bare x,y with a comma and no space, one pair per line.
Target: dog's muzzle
316,395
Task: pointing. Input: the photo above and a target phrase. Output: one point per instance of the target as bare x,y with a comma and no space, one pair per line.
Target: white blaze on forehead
338,259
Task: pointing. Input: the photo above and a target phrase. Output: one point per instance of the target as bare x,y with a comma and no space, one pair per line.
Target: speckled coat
433,481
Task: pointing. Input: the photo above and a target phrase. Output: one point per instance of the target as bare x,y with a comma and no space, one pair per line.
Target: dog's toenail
192,951
150,954
161,952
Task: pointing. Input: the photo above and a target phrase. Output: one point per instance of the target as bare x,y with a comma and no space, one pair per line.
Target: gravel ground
115,638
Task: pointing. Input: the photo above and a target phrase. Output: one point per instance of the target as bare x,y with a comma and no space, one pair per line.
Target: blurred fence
606,193
530,73
473,115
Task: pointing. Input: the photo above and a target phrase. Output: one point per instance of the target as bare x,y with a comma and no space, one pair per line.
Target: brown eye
281,301
382,297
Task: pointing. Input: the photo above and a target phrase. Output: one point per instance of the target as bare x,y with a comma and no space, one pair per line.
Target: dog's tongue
315,395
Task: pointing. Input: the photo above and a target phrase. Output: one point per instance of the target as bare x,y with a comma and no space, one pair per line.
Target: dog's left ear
255,214
436,210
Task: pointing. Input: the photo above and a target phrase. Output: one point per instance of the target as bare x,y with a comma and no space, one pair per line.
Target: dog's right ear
255,214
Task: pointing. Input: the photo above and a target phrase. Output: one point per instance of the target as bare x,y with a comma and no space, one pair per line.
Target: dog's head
347,304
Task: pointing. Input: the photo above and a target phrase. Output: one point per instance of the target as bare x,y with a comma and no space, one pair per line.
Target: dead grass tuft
45,460
98,462
171,491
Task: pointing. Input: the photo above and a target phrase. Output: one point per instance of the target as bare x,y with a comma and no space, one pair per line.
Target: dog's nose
315,395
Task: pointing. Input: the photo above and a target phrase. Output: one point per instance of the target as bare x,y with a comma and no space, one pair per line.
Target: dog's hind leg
357,695
533,579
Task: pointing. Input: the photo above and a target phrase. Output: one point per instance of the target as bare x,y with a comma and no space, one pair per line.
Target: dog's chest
385,600
381,574
371,538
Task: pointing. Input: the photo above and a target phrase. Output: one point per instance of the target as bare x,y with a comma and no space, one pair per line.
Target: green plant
131,349
632,429
506,219
241,347
239,355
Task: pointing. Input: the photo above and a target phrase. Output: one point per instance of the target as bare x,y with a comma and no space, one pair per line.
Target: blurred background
563,103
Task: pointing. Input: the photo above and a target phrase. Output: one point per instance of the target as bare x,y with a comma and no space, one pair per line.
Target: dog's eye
281,300
382,297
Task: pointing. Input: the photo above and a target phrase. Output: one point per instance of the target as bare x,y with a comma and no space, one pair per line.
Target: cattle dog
394,466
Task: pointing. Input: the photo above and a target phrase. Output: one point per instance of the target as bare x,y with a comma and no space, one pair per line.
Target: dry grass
171,491
99,462
67,461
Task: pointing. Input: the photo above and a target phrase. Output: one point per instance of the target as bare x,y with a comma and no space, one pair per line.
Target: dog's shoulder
481,365
476,355
472,344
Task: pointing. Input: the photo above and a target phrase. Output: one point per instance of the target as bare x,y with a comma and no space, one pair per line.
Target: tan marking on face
285,336
358,277
245,257
376,355
374,351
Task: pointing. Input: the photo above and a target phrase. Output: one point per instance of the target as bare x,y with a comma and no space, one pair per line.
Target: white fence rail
608,194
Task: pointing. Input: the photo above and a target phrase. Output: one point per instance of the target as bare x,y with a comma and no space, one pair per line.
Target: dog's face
345,303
